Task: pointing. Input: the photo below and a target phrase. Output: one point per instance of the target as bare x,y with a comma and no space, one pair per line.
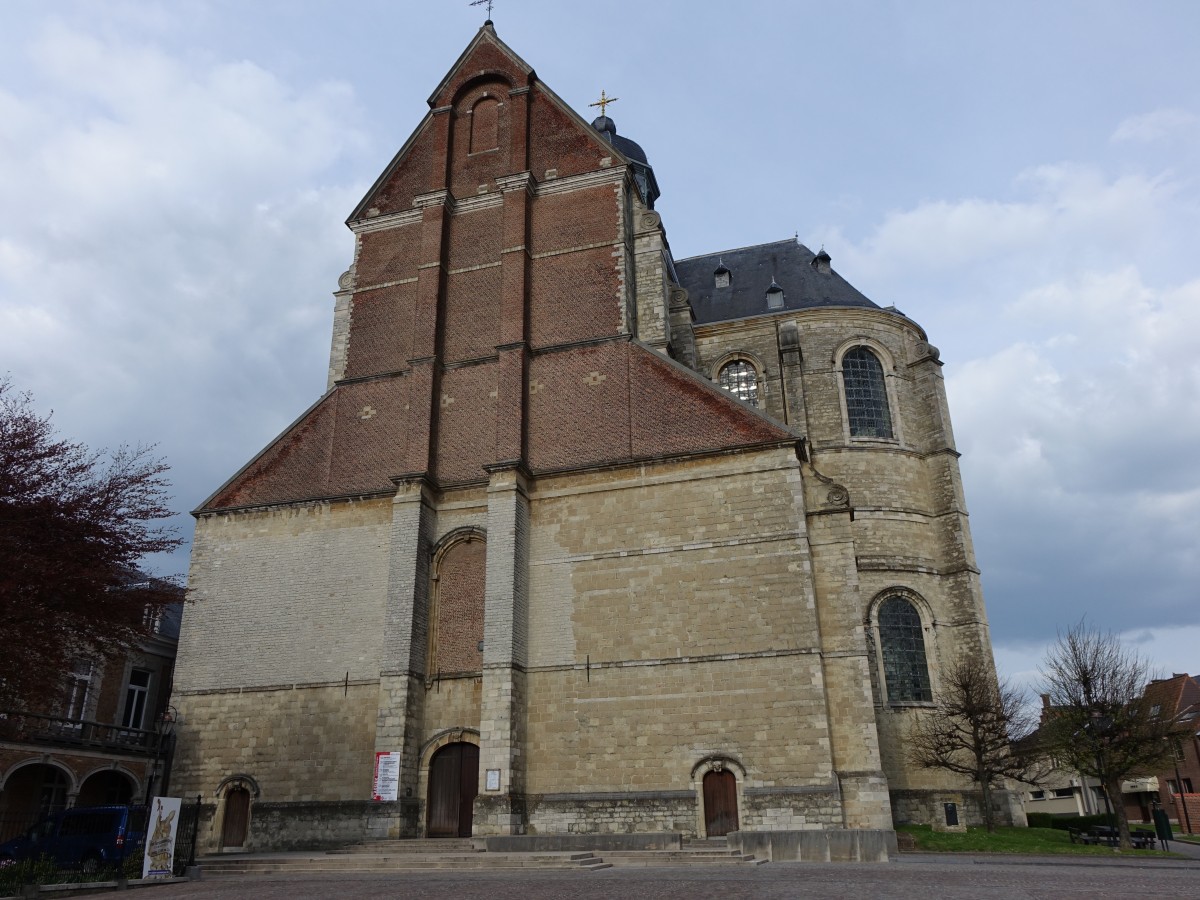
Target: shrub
28,871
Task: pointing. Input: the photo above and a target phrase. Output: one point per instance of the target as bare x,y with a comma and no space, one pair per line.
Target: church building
582,539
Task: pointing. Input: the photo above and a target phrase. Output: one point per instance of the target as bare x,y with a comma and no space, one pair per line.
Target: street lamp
1176,752
163,747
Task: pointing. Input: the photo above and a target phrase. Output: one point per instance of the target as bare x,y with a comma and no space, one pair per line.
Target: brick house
1067,792
582,538
102,743
1179,696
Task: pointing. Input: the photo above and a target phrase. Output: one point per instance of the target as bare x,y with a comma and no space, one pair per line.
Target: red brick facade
458,608
488,324
1192,817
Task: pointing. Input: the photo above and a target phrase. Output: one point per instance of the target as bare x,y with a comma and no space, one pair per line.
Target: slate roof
752,269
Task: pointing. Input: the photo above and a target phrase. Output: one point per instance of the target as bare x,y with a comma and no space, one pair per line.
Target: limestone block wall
646,727
277,677
298,742
910,527
672,621
668,561
286,595
756,340
653,283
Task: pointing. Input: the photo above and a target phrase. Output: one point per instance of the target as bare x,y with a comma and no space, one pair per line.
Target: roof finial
488,4
604,101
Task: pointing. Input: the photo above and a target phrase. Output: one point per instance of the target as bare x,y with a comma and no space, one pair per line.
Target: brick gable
488,324
614,403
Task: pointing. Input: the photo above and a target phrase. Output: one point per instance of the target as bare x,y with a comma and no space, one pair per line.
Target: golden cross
604,101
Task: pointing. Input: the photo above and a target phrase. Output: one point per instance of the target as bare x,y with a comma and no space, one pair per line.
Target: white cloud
169,238
1157,125
1167,651
1073,382
1066,218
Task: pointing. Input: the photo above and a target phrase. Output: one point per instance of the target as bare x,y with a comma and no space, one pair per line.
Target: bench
1143,839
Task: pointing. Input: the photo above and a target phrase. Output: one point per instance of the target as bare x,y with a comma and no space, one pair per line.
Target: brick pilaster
513,349
425,371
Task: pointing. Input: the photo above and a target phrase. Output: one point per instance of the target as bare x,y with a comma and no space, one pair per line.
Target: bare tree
73,525
980,729
1099,722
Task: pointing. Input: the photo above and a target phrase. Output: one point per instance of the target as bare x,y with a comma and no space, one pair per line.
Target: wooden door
720,803
453,784
237,817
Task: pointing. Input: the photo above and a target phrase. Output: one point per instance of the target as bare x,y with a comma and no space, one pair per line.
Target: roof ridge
795,241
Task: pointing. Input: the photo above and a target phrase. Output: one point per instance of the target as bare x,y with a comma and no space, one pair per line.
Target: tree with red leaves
73,525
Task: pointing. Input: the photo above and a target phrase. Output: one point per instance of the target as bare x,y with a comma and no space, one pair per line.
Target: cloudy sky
1019,177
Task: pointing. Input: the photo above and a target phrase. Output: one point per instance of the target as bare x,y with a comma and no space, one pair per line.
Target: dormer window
722,276
774,296
821,262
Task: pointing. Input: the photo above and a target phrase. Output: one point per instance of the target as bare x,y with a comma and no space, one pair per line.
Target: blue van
84,837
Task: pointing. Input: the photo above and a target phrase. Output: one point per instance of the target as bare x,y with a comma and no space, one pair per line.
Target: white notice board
387,776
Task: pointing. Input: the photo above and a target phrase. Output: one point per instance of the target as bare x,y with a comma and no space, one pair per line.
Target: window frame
887,365
928,643
732,359
137,699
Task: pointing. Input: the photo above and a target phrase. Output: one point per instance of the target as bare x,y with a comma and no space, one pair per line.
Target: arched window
458,606
484,125
902,641
866,394
741,379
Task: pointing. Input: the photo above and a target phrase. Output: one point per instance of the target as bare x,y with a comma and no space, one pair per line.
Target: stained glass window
866,394
741,380
902,640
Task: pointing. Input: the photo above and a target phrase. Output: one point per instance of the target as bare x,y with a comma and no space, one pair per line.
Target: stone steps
426,854
333,863
685,857
412,845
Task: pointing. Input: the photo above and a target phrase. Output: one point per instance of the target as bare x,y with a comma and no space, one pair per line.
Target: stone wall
615,812
272,589
928,807
303,742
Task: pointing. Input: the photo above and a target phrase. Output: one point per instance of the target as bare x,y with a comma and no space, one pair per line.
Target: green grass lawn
1013,840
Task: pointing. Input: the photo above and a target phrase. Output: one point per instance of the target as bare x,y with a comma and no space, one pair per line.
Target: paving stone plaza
913,875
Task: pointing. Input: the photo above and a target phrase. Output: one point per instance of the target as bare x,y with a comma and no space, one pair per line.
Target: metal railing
54,731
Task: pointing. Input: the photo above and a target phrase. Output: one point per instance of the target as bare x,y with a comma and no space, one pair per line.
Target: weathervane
487,3
604,101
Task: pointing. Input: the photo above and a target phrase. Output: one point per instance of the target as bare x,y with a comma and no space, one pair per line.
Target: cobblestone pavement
914,876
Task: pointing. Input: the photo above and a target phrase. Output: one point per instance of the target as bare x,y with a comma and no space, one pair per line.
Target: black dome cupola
643,174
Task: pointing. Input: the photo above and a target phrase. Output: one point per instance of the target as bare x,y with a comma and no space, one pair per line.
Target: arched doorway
109,788
720,803
453,784
31,792
237,818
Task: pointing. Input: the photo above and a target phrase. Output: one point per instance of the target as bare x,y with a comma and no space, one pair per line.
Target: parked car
83,837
